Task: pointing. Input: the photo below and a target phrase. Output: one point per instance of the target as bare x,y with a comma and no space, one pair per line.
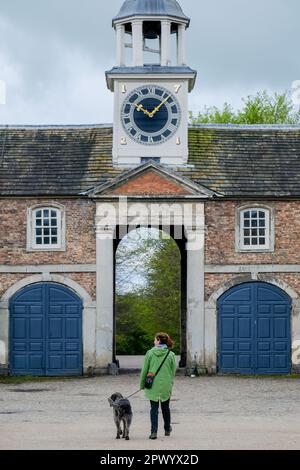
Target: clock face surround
150,115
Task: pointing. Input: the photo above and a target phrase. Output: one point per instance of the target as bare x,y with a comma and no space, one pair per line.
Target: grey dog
122,413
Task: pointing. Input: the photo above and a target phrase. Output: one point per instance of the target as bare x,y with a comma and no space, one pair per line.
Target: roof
247,161
150,8
234,161
151,69
156,173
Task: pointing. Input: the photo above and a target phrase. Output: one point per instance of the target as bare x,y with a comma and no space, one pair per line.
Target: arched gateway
254,330
130,201
45,331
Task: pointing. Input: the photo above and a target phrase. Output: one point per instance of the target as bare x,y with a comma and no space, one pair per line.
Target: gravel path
207,413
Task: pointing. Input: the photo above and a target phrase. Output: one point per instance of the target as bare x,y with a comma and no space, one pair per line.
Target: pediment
151,180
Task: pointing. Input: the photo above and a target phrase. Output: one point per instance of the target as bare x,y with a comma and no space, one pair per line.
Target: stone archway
88,316
177,325
187,215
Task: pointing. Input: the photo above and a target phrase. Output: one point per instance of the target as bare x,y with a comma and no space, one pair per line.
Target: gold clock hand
140,107
155,110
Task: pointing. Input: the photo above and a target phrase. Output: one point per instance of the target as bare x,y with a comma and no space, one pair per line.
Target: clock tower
151,82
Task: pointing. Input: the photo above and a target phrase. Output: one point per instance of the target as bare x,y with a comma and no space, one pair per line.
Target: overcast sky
53,55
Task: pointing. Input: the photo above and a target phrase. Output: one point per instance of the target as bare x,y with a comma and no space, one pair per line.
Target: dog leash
134,393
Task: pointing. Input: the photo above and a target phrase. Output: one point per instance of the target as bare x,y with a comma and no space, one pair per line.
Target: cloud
53,55
64,86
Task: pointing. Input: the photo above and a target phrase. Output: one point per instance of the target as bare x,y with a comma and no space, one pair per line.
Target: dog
122,413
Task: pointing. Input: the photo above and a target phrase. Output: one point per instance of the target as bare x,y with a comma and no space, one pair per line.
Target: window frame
145,160
270,229
31,226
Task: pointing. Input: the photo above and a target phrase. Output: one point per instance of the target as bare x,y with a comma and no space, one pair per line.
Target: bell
151,35
152,29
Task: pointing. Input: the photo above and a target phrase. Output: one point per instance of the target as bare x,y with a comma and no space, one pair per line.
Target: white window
46,229
255,230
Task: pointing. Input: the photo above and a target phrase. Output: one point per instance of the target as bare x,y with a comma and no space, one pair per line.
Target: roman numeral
177,88
139,93
171,127
151,90
129,126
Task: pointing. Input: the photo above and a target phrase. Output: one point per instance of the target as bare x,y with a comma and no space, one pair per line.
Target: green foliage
132,337
17,380
164,290
213,115
261,108
154,307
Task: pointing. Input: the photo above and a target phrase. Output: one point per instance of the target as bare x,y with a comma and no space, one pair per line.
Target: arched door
254,330
45,331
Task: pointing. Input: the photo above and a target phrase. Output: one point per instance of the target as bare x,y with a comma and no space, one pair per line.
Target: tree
132,337
164,290
148,296
261,108
214,115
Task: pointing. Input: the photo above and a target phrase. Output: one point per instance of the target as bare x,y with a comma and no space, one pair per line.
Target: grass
239,376
15,380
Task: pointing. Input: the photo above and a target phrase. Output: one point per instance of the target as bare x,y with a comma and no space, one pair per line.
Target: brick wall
7,280
220,238
150,183
80,233
85,280
213,282
81,246
220,247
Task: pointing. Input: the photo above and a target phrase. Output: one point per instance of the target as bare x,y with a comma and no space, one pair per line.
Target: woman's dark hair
164,338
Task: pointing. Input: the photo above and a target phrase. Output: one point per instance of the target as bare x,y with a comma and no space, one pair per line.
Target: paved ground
135,362
208,413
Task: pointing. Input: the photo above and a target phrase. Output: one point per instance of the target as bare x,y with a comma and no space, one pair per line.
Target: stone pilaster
105,297
195,296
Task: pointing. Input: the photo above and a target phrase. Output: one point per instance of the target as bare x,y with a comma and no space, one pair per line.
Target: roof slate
150,8
235,161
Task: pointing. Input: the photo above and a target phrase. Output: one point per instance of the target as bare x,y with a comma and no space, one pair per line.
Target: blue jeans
165,408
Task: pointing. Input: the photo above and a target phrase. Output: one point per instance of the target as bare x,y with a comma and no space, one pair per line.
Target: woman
161,390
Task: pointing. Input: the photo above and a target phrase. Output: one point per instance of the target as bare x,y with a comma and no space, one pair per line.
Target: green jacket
163,383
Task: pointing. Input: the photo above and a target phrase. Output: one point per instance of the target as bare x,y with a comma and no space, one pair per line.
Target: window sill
254,250
45,250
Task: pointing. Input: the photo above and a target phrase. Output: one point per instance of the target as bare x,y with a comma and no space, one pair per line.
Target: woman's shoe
153,435
168,433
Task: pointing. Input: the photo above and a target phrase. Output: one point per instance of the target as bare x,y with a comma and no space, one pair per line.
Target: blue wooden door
45,331
254,330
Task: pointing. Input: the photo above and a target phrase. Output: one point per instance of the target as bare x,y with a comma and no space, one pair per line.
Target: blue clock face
150,115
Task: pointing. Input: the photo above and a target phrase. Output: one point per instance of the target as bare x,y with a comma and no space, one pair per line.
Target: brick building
230,195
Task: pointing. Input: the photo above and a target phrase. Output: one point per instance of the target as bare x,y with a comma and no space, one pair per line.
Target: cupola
151,26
